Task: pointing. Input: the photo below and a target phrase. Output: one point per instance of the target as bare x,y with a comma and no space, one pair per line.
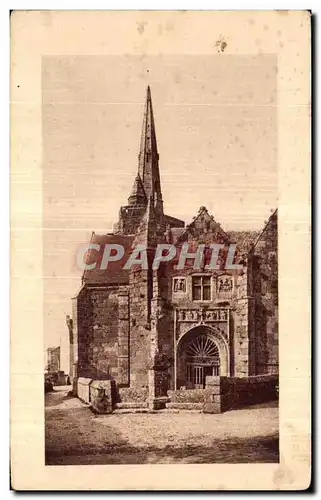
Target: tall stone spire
148,157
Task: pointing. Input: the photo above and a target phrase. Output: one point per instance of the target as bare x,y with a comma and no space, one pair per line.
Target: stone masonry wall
162,322
97,321
129,219
140,292
266,298
123,338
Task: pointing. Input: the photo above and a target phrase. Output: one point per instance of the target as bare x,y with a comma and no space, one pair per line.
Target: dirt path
74,435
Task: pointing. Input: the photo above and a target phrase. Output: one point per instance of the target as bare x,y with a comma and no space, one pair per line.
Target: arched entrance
202,359
200,352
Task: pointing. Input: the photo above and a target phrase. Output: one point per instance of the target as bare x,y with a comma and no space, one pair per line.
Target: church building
153,330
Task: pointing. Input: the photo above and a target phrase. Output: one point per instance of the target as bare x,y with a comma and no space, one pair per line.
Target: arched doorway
202,359
201,352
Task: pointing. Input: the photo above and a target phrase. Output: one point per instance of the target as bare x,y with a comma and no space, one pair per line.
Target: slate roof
243,239
114,274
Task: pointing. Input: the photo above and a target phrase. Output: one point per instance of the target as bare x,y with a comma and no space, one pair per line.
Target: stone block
212,381
212,408
101,396
215,398
83,389
214,389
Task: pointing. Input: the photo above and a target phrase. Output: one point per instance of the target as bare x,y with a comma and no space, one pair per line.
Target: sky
216,129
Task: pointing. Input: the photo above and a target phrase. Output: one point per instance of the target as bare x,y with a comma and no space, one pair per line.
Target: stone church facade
153,330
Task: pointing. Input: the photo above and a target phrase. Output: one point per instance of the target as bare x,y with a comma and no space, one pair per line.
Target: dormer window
201,288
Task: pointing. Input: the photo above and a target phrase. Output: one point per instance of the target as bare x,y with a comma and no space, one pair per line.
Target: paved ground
75,436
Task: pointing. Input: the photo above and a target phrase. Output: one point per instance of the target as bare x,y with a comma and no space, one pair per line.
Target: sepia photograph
160,222
180,353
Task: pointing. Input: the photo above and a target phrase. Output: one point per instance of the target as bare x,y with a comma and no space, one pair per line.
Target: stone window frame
207,275
179,292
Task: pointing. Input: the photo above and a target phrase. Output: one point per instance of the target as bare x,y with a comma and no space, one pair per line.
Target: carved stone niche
224,285
179,285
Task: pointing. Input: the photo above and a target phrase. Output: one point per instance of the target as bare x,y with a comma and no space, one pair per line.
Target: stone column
158,372
157,383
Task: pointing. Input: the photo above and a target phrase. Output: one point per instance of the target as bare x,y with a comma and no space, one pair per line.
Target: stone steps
174,407
130,405
123,411
179,410
166,411
184,406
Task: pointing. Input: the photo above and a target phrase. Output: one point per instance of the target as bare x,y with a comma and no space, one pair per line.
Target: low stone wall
131,395
226,393
189,396
239,392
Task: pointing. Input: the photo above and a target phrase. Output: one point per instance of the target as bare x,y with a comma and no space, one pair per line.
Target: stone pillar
69,323
157,386
213,403
158,372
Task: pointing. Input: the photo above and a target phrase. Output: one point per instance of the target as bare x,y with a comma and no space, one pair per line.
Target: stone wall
131,394
240,392
226,393
101,322
266,298
243,345
123,337
140,309
162,332
189,396
129,219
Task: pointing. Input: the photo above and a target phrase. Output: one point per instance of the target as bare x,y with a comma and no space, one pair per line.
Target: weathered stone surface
265,285
83,389
101,396
185,406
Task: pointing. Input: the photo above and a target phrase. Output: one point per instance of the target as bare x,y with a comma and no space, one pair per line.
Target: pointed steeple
148,157
137,196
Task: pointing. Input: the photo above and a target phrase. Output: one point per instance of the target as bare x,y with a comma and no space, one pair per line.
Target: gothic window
201,286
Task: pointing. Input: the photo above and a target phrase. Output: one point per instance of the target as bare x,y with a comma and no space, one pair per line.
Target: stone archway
200,352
